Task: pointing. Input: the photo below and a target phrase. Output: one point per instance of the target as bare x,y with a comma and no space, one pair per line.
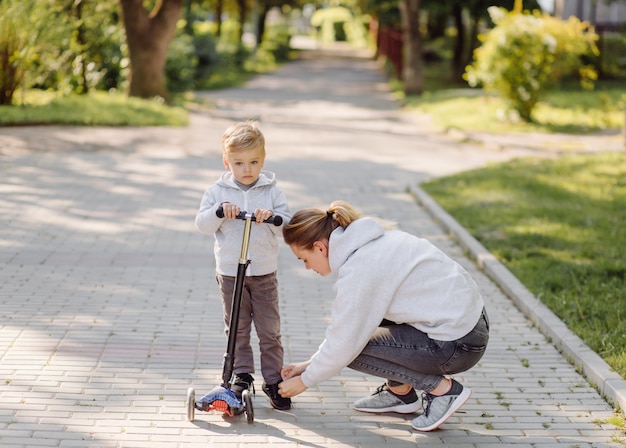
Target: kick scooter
222,398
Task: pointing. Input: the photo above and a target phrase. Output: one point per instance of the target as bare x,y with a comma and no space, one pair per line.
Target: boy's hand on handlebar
230,210
261,215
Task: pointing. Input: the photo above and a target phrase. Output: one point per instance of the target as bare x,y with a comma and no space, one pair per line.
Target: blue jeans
404,355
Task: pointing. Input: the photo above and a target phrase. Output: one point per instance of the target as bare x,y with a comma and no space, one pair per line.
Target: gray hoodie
263,248
390,274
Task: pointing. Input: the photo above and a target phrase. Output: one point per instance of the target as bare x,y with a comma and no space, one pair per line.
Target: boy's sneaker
383,400
242,382
437,409
278,401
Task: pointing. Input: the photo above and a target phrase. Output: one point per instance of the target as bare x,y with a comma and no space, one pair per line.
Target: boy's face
245,164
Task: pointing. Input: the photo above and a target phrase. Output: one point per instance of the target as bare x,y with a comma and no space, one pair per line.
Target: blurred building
596,12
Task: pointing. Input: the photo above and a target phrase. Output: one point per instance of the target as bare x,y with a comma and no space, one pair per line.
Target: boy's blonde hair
241,136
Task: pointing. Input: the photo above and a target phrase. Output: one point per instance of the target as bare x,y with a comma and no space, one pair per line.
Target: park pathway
109,309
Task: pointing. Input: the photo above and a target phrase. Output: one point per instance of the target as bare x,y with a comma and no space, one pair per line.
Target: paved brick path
109,309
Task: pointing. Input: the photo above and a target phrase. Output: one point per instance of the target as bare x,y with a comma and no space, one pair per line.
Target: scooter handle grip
276,219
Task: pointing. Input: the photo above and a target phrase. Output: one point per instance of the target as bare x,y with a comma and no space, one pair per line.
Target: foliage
337,23
568,109
22,35
276,43
94,109
92,56
558,226
232,63
387,12
527,53
81,51
11,71
181,64
205,49
613,63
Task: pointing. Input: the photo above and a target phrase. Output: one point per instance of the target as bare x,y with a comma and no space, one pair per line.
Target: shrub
333,24
205,46
11,71
181,63
524,54
277,42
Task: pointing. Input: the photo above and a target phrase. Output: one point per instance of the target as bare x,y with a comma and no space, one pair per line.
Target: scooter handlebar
276,219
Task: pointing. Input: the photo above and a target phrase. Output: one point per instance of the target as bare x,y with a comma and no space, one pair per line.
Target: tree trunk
458,58
219,8
260,25
243,16
148,37
412,73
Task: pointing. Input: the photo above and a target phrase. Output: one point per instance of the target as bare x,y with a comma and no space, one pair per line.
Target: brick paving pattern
110,311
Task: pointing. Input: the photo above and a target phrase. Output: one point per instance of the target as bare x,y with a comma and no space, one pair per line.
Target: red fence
389,45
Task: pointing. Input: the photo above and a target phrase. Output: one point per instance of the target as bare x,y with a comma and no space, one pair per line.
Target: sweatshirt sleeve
206,219
280,208
362,298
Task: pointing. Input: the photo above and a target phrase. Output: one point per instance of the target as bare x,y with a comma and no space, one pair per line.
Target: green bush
180,67
331,23
11,71
524,54
205,46
277,42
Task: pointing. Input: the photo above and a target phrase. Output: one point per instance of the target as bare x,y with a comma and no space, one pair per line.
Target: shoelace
426,401
380,389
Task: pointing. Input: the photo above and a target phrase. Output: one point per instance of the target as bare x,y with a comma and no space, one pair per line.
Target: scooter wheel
191,404
247,402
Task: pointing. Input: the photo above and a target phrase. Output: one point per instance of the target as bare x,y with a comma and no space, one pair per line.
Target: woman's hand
295,369
291,387
292,384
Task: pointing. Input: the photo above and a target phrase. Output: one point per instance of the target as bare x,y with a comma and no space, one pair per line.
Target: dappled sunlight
111,308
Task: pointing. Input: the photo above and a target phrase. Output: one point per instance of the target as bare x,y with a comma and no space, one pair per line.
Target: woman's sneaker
383,400
242,381
437,409
276,399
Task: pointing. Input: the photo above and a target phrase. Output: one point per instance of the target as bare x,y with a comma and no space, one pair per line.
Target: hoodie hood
345,242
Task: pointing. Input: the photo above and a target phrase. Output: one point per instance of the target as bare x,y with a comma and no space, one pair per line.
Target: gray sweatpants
259,304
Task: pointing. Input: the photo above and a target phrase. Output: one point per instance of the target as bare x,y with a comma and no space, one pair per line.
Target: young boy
244,187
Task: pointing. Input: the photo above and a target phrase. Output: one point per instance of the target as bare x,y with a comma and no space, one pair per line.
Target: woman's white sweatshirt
390,274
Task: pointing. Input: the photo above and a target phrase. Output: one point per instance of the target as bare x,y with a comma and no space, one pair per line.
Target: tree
413,66
148,36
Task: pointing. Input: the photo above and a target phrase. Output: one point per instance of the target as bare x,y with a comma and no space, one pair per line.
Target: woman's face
315,258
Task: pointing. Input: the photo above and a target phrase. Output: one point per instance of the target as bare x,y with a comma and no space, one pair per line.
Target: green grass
568,108
559,226
98,108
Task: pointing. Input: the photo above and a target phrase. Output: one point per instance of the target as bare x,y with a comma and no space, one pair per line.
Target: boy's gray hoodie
263,248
